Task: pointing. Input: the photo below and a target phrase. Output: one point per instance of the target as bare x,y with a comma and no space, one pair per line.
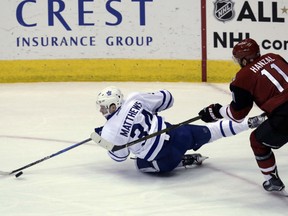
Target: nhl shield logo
223,10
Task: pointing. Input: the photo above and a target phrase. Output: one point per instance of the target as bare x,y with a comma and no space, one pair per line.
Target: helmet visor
236,60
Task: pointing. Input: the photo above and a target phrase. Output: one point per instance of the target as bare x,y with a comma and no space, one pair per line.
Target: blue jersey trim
168,105
156,142
231,128
221,129
163,101
117,158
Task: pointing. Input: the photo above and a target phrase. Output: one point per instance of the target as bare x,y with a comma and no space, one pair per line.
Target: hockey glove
211,113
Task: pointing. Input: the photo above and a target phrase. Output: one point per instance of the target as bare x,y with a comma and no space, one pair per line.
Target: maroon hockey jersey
265,82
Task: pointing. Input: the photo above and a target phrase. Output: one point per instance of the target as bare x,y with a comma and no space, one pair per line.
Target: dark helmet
246,51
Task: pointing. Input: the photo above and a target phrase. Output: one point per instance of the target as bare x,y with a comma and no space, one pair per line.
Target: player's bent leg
146,166
263,140
163,165
266,135
188,137
264,156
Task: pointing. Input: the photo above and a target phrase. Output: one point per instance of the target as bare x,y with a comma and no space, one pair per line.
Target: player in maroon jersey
262,79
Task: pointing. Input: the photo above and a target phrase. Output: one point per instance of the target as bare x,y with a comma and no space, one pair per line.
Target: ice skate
274,184
255,121
193,159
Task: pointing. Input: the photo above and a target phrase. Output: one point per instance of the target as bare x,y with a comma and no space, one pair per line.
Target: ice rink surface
39,119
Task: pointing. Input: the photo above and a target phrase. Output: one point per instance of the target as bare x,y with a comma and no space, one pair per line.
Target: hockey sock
226,128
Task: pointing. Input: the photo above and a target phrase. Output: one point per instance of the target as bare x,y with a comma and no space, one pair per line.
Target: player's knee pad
266,135
146,166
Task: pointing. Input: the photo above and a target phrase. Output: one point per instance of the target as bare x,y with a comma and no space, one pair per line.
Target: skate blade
282,193
201,159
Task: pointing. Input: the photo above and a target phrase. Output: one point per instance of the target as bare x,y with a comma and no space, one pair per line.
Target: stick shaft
48,157
116,148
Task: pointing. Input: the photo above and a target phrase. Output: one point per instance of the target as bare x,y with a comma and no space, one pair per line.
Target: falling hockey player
137,117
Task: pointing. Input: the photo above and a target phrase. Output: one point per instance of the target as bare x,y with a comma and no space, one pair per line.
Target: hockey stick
111,147
107,145
45,158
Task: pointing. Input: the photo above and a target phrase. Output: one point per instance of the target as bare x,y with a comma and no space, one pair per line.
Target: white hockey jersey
136,118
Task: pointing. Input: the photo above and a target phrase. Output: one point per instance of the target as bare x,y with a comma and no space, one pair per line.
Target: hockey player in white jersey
137,117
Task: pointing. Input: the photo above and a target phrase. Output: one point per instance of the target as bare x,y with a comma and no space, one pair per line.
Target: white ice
39,119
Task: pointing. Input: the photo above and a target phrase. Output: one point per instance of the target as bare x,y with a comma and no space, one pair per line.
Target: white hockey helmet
108,96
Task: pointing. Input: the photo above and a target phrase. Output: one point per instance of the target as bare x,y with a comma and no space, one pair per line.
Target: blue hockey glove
98,130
